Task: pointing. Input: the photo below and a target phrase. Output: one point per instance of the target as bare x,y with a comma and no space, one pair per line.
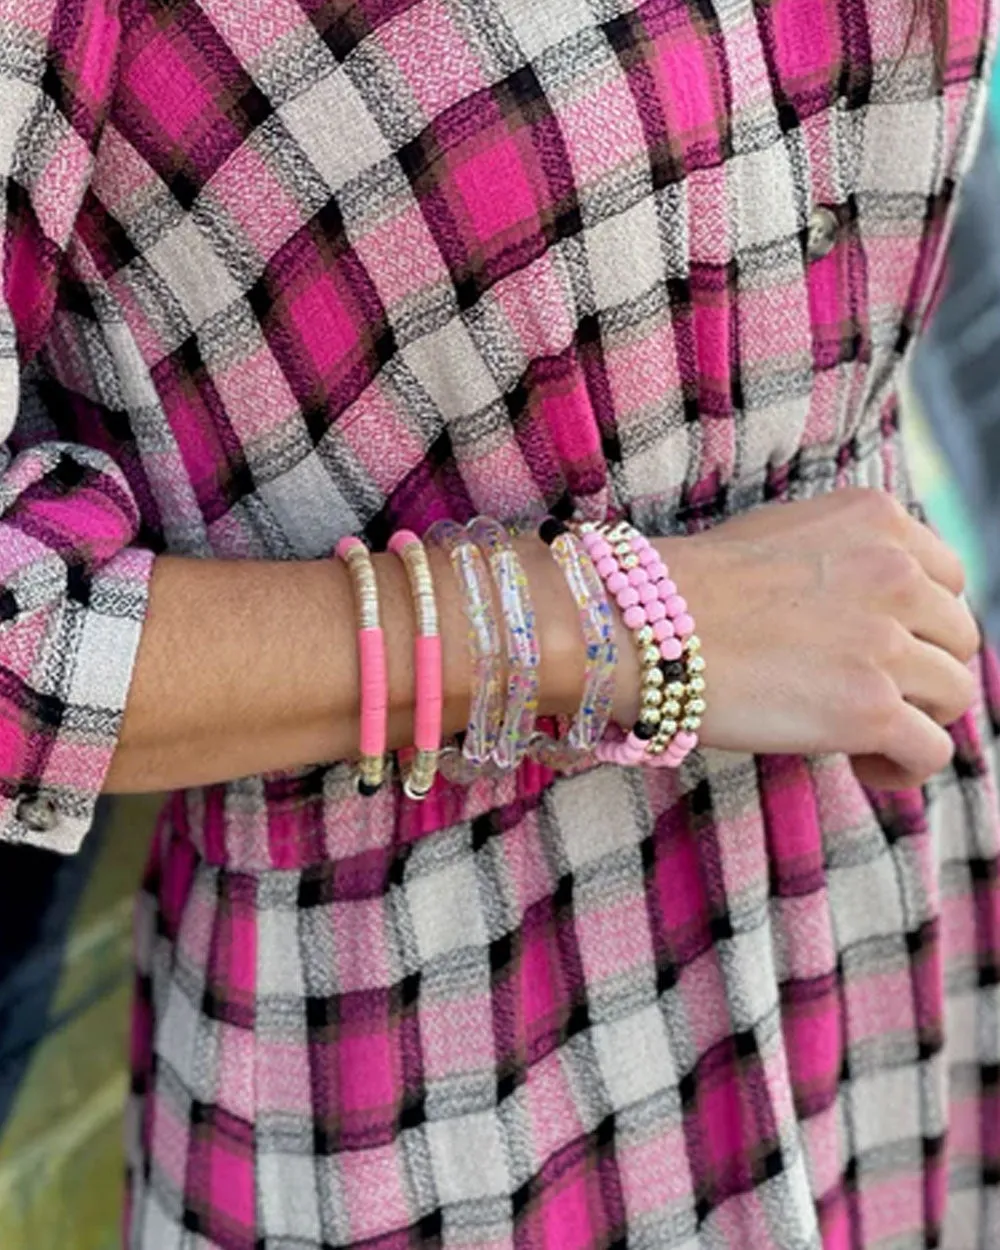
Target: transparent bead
588,527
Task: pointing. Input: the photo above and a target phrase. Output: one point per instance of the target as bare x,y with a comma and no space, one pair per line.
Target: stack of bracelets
604,565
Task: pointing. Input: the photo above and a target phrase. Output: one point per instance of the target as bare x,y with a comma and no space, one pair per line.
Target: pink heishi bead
655,611
683,625
647,593
676,605
671,649
599,548
657,571
686,741
648,555
635,617
637,577
628,597
617,581
662,630
606,566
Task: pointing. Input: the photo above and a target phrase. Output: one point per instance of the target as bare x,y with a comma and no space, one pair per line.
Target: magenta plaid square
507,137
219,1185
323,320
675,61
185,103
366,1067
583,1207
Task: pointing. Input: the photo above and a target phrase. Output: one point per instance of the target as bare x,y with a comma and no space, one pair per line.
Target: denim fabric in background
956,373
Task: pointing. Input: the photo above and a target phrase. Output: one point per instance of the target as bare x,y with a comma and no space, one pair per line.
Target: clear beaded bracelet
598,628
486,711
523,654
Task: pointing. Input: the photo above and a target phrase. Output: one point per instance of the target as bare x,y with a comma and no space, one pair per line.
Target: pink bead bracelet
669,650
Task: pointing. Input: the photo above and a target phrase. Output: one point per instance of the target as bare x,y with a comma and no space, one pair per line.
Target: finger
878,773
916,743
933,681
938,617
940,563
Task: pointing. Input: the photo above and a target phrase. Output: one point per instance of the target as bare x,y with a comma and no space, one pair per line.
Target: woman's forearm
247,666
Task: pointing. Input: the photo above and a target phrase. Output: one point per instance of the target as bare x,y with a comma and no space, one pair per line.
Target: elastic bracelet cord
598,628
522,642
371,656
486,709
419,778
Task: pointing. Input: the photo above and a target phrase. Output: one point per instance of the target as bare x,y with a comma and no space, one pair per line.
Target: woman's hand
832,625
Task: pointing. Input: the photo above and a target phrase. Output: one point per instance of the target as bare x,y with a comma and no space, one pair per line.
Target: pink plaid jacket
274,271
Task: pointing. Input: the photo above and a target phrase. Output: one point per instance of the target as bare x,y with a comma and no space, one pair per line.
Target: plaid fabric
283,270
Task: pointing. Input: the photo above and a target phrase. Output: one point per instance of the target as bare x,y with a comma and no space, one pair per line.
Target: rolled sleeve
73,582
73,597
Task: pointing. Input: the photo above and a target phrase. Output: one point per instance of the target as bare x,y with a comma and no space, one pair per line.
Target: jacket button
39,815
822,232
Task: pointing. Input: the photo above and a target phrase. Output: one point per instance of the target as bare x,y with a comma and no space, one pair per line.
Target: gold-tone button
822,232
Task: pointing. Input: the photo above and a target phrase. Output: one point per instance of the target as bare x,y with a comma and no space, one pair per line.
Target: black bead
644,731
551,529
367,790
672,670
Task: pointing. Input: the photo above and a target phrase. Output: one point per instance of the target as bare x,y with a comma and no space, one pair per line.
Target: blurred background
65,926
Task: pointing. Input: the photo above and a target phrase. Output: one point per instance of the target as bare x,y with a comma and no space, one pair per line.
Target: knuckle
886,640
963,695
876,704
876,510
892,571
939,754
969,643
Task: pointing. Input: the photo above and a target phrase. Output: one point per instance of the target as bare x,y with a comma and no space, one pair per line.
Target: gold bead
697,684
691,723
696,664
588,527
624,549
645,635
650,657
654,676
672,707
631,561
651,715
676,689
652,698
696,706
657,748
693,644
668,727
